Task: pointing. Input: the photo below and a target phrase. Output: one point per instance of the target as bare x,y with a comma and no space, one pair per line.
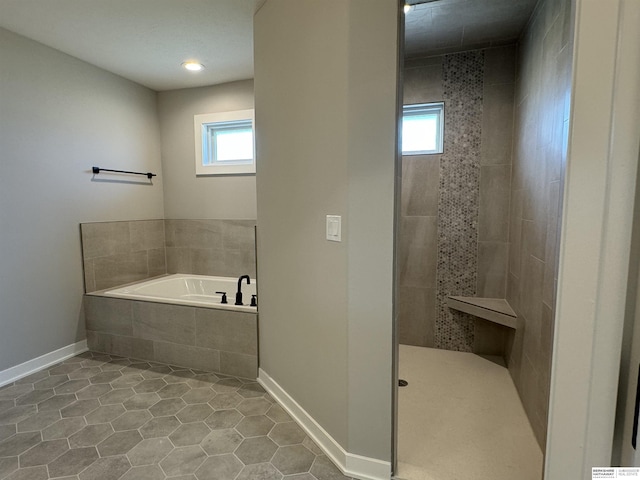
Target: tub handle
253,301
224,297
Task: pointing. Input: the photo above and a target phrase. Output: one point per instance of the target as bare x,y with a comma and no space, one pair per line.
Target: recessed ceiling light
407,8
193,66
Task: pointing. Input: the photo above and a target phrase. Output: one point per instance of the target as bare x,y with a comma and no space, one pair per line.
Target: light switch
334,228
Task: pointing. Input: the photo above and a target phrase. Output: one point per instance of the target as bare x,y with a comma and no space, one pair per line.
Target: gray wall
455,206
188,196
326,123
60,116
541,129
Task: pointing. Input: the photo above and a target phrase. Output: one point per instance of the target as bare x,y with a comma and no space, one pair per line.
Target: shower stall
479,234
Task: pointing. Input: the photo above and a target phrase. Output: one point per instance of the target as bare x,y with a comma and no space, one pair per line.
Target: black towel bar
97,170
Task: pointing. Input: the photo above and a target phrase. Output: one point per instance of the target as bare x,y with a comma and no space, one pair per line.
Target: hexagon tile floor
101,417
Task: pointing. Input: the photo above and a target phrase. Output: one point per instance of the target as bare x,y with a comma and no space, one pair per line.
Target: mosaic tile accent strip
97,416
459,196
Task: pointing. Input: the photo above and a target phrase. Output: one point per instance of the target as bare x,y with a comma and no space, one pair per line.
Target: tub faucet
239,292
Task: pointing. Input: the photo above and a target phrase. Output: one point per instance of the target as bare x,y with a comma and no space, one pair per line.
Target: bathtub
187,289
177,320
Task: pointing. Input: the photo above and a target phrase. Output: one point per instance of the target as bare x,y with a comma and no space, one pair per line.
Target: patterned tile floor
102,417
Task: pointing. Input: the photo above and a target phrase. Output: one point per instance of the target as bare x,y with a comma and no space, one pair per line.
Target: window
422,126
224,143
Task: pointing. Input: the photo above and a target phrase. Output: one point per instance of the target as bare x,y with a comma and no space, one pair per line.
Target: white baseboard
19,371
356,466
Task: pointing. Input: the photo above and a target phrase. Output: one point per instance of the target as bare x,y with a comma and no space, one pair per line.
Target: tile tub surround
224,248
116,253
97,416
204,338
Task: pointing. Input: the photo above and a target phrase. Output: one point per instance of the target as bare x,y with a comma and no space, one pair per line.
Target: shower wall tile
417,251
420,182
423,81
515,232
488,338
530,380
546,350
115,253
500,65
497,124
552,245
469,205
513,293
539,161
493,258
417,312
493,221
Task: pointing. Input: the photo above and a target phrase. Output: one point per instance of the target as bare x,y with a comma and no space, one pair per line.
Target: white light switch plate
334,228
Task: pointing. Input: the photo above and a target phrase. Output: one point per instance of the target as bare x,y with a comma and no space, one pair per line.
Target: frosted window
229,142
225,143
422,129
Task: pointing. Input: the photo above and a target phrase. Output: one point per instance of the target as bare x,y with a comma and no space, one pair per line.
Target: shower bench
495,310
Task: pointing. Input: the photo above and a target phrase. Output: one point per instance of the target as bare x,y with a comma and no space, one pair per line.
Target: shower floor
460,418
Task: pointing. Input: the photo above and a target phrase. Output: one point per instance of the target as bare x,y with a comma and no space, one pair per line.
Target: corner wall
186,195
60,116
326,125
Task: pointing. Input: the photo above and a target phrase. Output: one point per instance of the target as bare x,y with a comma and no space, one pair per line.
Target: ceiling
446,26
144,40
147,40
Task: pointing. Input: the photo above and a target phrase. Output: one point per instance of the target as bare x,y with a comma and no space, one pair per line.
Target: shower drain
402,383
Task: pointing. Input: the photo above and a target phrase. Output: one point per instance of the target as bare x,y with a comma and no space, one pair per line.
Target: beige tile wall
211,247
541,125
208,339
115,253
418,249
495,188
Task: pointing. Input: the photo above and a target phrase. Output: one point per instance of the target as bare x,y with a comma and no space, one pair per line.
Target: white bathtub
183,289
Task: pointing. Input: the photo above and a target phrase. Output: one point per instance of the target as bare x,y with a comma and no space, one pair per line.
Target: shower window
422,126
224,143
